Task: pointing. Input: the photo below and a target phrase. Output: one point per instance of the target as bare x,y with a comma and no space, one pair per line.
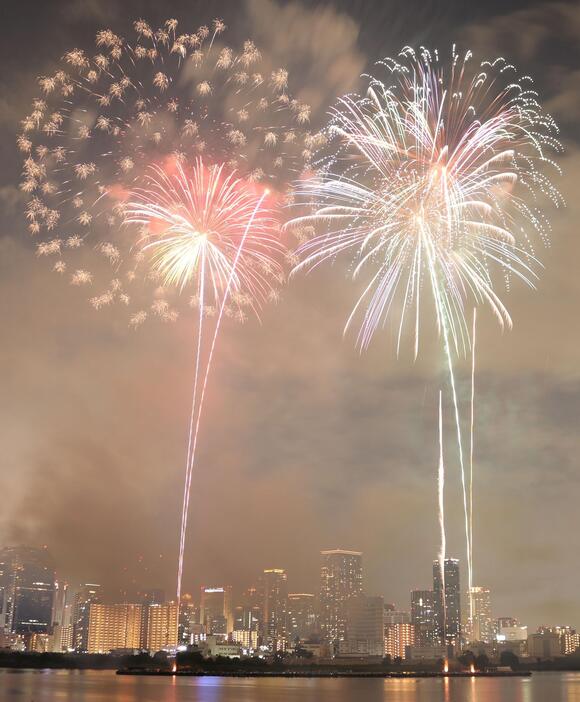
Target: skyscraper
189,625
215,610
88,594
27,589
275,608
447,604
248,618
302,616
423,617
482,626
340,579
116,626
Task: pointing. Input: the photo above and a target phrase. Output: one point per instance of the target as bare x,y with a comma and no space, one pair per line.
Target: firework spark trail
149,132
191,453
204,226
441,512
426,182
189,459
466,513
471,448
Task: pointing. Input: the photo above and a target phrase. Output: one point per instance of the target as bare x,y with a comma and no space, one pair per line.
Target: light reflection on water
105,686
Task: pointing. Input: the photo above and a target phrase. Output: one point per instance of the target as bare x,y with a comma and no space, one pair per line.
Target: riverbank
330,673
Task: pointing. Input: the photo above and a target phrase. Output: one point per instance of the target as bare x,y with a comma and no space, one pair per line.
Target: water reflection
105,686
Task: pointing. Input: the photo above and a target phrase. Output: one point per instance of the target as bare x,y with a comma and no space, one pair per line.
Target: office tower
275,607
59,603
88,594
302,616
448,603
188,620
340,579
162,627
423,617
247,620
65,642
61,610
114,627
215,610
27,588
248,616
365,624
482,625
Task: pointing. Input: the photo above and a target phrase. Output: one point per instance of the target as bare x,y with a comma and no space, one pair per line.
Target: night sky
305,444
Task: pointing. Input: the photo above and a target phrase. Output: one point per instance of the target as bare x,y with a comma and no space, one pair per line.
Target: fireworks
429,185
110,125
435,179
155,171
193,226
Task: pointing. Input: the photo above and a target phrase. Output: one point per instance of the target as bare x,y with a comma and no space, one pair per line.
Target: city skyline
339,621
221,608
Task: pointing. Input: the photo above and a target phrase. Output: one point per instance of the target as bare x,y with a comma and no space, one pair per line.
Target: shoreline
327,674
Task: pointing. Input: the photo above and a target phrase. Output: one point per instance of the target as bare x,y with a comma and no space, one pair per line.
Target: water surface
105,686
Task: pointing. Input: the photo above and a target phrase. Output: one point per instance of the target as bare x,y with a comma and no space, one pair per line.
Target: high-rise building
248,618
398,632
162,627
112,627
188,620
61,597
215,610
447,601
544,645
61,618
481,625
340,579
148,597
27,590
87,594
398,637
365,625
569,638
275,608
65,642
302,616
423,617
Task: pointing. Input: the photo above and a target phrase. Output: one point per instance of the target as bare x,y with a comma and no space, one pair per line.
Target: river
105,686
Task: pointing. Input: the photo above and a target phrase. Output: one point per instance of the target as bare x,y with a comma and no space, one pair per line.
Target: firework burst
429,184
108,123
192,226
435,181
